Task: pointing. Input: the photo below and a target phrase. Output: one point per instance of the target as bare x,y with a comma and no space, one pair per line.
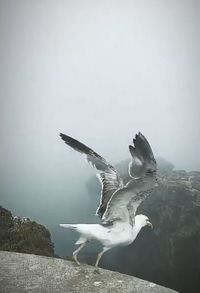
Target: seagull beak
149,224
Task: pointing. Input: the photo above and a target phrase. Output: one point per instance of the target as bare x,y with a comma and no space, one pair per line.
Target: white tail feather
74,227
70,226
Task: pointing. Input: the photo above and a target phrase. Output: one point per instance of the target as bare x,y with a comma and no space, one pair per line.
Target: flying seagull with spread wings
118,202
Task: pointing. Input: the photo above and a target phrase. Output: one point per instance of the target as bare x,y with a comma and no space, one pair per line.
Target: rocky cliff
23,235
24,273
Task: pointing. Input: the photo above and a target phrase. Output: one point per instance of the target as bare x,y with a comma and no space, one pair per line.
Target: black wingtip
62,136
139,136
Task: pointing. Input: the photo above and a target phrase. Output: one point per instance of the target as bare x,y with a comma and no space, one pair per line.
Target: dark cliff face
22,235
170,253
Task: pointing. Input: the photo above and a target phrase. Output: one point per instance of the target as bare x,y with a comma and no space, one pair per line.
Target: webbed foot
96,271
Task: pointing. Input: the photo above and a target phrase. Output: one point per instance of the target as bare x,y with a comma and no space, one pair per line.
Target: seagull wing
143,160
124,201
108,177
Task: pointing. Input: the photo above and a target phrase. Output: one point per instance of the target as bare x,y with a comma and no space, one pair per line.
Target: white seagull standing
118,203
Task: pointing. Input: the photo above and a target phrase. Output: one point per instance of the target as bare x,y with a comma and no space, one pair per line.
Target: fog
99,71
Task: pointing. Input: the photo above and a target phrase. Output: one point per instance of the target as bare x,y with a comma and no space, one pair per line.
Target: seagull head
143,221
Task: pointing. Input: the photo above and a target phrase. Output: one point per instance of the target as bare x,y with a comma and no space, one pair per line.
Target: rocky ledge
20,273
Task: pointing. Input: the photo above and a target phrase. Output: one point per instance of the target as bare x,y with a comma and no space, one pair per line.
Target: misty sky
99,71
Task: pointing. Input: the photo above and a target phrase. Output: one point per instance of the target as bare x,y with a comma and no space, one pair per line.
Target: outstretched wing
124,202
109,177
143,160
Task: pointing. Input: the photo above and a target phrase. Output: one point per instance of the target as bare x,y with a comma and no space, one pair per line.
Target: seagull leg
75,253
100,255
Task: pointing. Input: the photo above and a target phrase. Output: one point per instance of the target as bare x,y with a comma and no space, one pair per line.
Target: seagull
118,201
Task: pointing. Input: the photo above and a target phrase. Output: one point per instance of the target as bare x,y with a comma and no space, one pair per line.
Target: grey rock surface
21,273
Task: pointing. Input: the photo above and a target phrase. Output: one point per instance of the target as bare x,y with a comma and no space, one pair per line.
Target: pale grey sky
99,71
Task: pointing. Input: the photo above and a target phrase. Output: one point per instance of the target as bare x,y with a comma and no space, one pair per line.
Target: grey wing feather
109,178
124,202
109,184
95,159
141,152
